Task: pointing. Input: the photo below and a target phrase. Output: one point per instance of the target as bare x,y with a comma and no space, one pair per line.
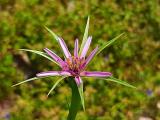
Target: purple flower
73,66
149,92
7,116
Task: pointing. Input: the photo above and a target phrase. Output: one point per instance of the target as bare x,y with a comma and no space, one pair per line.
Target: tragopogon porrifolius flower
74,66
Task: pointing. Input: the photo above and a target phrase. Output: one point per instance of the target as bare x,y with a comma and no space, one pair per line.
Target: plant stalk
75,100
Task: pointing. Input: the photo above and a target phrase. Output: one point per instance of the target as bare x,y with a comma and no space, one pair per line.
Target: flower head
73,65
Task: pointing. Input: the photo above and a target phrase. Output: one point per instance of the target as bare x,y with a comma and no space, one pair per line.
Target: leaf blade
56,83
52,33
39,53
31,79
108,43
119,82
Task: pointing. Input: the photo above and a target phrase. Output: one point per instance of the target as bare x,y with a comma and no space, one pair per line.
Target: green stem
75,100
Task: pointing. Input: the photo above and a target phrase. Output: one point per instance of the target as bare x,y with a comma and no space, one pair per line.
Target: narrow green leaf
52,33
85,36
119,82
40,53
31,79
56,83
106,44
80,89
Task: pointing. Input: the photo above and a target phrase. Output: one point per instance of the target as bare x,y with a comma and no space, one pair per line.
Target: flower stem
75,100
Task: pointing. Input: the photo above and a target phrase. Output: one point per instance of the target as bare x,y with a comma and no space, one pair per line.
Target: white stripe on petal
86,47
55,57
95,74
76,48
64,48
53,73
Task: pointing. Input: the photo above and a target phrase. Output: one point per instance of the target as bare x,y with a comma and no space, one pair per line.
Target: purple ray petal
89,58
55,57
78,80
95,74
64,48
86,47
53,73
76,48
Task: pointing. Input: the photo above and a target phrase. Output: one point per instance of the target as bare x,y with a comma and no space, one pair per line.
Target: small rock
158,104
145,118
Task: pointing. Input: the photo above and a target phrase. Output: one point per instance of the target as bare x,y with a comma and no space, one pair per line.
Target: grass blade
54,86
85,36
119,82
31,79
106,44
40,53
52,33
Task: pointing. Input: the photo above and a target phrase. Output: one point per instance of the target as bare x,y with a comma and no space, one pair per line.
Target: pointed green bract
40,53
56,83
106,44
52,33
85,36
80,89
31,79
119,82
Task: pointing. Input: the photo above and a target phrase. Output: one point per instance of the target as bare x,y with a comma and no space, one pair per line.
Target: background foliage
134,58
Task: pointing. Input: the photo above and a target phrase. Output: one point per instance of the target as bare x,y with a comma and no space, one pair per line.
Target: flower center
74,65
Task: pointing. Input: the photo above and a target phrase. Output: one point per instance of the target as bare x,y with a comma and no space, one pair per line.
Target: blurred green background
135,58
